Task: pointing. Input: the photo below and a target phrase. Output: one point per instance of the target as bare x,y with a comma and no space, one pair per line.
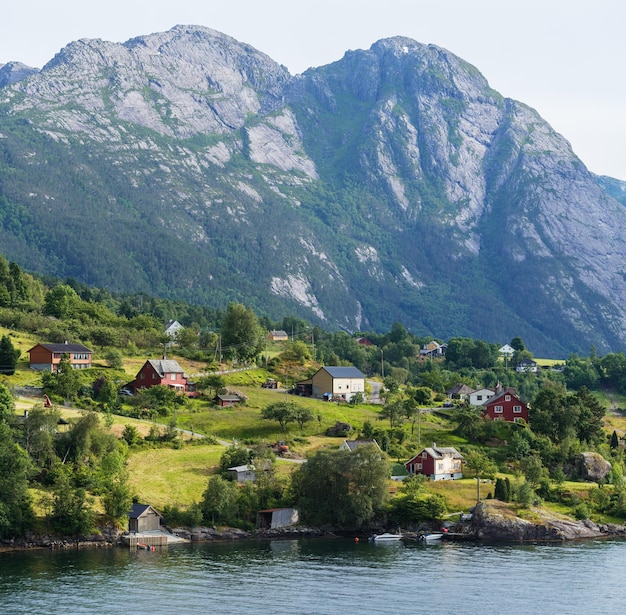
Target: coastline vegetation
80,462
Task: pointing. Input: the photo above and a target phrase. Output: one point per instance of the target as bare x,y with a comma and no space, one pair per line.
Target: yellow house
334,383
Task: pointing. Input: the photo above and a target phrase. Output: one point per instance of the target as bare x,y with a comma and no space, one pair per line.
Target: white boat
386,537
435,537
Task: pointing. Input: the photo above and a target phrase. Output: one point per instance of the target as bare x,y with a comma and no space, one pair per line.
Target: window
142,376
418,466
517,409
172,376
497,409
424,455
507,398
153,376
479,397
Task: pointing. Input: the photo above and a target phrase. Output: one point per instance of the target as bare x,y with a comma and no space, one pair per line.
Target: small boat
386,537
434,537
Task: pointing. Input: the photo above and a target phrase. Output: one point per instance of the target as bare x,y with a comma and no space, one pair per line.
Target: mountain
393,185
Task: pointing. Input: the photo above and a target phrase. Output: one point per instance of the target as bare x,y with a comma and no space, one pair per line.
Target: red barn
160,371
438,463
505,405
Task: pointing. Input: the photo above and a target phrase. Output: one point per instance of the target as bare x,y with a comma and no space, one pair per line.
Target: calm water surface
321,576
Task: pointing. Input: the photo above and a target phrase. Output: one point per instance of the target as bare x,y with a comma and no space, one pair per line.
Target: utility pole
382,363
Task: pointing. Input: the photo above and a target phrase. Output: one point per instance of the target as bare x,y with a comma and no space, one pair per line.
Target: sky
564,58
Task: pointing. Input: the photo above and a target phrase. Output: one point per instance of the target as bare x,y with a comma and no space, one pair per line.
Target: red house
46,357
438,463
161,371
505,405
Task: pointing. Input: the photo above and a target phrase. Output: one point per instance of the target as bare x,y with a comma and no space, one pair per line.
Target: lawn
167,476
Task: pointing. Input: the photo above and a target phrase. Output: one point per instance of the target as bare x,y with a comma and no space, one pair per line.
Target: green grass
166,476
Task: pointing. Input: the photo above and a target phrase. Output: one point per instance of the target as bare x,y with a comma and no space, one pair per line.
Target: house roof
498,396
459,389
246,468
343,372
137,510
65,347
230,397
166,366
438,452
354,444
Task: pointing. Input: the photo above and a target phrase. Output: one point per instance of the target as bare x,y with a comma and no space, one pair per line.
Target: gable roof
65,347
439,452
137,510
342,372
166,366
498,396
459,389
354,444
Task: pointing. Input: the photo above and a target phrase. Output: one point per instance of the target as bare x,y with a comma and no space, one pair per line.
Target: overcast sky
565,58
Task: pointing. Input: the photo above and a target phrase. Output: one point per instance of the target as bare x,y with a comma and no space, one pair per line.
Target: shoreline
492,523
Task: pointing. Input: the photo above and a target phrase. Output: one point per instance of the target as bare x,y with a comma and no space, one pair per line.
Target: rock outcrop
592,466
493,522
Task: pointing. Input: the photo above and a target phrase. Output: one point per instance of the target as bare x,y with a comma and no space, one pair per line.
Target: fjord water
320,576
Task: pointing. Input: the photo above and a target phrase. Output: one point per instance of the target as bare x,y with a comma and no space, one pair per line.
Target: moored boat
386,537
434,537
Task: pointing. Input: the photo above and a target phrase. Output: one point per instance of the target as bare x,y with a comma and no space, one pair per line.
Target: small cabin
144,518
273,518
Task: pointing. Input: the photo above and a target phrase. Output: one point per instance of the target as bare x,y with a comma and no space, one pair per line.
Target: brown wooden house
46,357
144,518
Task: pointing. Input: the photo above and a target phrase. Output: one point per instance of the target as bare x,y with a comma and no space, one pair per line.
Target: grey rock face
592,466
12,72
395,175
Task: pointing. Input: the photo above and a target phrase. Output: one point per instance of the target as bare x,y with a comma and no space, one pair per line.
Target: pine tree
8,356
614,440
500,490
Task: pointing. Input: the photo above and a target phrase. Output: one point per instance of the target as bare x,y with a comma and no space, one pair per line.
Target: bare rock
592,466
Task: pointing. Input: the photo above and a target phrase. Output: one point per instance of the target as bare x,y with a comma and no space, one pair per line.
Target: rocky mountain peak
393,185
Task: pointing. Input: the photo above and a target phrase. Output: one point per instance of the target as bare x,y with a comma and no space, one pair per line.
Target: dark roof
139,509
498,396
343,372
63,347
229,397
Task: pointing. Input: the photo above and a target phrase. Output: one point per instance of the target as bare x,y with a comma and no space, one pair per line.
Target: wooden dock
142,541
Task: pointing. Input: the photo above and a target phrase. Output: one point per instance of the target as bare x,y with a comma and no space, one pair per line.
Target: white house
479,397
172,327
527,365
507,351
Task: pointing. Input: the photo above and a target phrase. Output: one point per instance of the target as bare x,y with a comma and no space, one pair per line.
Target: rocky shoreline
491,521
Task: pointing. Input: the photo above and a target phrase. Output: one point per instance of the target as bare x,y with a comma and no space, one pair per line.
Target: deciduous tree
481,466
342,488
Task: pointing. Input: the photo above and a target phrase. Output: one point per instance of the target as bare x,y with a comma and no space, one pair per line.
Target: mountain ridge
391,185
